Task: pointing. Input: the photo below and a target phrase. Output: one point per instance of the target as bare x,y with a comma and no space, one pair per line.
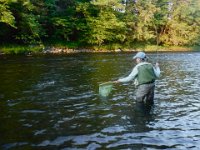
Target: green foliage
102,23
104,28
181,27
28,29
19,49
6,15
62,28
140,21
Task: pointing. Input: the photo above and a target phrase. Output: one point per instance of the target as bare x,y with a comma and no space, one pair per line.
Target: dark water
52,102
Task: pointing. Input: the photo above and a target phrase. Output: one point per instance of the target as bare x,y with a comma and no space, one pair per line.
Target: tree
27,28
182,26
161,18
100,24
6,15
139,19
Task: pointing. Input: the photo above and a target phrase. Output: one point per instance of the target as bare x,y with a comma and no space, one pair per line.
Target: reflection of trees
106,67
17,75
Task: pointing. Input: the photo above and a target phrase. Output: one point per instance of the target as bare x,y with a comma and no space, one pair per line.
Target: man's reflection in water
141,116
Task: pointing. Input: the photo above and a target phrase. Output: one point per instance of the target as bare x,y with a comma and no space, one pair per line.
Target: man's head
140,56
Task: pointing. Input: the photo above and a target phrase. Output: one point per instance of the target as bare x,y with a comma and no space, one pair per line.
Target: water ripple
57,106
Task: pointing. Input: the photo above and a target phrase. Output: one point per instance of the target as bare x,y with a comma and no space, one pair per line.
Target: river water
52,102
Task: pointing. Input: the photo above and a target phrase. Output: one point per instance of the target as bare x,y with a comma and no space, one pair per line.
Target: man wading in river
144,74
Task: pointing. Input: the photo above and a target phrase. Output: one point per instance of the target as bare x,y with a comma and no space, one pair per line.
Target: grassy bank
20,49
69,47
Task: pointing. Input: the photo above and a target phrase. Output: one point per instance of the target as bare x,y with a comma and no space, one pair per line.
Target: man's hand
157,64
116,81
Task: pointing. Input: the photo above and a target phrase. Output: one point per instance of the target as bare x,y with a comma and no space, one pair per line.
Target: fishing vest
145,74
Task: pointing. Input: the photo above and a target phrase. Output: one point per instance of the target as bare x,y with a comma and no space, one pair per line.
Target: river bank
57,50
41,49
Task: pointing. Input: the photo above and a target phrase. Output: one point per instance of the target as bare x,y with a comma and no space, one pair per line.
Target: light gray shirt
134,73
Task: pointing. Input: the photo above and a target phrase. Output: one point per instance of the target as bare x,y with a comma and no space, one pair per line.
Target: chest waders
146,85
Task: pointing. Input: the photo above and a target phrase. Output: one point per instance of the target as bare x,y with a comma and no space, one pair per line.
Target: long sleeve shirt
134,73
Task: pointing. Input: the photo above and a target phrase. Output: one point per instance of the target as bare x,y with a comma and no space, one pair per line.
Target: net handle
109,82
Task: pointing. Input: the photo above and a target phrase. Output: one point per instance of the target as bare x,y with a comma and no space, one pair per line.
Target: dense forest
97,23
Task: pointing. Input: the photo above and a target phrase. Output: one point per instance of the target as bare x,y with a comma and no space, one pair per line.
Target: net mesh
105,89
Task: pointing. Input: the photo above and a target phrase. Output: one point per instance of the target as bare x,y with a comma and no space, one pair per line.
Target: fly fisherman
144,74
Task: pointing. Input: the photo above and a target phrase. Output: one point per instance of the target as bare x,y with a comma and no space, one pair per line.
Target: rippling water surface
52,102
